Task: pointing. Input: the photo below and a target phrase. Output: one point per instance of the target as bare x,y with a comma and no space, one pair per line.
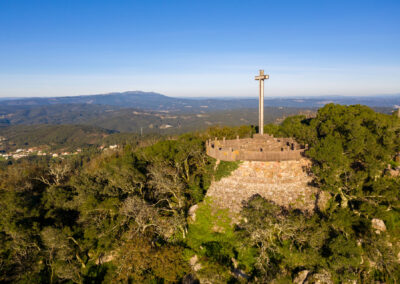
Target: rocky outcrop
286,183
301,277
378,225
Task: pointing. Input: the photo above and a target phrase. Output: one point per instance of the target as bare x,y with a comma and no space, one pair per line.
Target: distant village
38,151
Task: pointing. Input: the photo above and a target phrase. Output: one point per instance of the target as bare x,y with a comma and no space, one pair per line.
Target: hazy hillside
138,99
156,113
135,120
155,101
50,136
52,114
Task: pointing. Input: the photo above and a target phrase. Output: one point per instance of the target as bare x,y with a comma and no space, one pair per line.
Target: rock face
286,183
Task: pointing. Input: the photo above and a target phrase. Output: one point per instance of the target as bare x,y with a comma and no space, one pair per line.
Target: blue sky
199,48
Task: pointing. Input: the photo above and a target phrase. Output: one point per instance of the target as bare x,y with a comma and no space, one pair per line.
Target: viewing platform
259,148
262,147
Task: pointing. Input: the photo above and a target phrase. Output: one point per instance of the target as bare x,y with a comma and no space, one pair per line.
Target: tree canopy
127,216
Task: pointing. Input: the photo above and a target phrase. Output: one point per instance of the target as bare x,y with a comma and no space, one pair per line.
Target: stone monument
261,77
259,148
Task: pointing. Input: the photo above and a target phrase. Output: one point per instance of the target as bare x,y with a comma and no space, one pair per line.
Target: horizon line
208,97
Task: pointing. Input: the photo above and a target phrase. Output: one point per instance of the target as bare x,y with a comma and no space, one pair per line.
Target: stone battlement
259,148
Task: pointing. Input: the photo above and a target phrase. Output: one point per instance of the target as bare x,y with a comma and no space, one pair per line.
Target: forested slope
124,216
128,119
51,136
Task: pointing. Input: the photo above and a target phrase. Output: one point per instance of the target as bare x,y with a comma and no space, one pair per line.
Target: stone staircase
286,183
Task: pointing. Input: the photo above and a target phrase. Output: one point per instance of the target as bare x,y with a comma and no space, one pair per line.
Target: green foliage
124,216
62,218
289,240
212,237
272,129
297,126
354,144
225,168
219,132
351,147
212,228
139,261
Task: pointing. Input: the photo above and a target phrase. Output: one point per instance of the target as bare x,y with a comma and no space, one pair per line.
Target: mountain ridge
156,101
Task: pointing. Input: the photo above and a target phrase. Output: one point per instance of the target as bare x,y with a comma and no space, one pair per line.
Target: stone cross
261,77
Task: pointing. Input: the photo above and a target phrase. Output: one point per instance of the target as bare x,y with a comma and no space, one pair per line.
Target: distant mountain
9,98
127,99
155,101
138,100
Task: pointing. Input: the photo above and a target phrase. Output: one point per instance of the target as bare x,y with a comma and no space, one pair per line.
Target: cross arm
262,77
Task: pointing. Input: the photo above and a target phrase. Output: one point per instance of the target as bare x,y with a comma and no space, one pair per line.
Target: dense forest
124,216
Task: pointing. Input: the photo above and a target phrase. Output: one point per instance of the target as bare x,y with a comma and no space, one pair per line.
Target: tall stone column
261,103
261,78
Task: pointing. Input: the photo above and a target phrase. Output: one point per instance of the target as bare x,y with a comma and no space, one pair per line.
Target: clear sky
199,47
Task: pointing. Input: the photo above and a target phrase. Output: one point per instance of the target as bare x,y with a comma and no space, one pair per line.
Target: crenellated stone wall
259,148
231,154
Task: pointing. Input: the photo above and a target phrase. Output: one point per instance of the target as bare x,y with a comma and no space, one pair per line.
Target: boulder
378,225
196,266
301,277
192,212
